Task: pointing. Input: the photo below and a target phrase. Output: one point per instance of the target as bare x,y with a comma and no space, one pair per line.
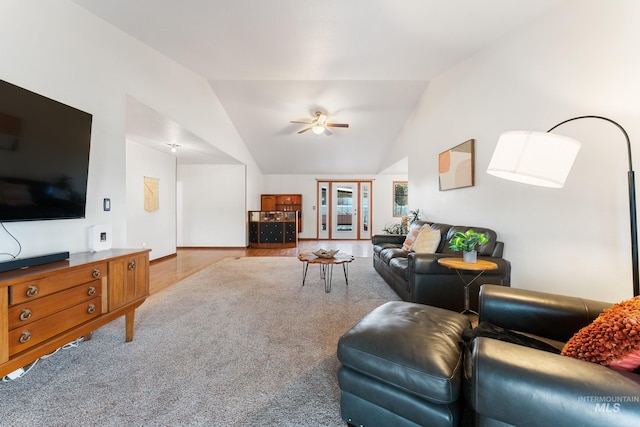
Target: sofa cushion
399,267
388,254
444,231
483,250
413,347
427,241
379,248
613,339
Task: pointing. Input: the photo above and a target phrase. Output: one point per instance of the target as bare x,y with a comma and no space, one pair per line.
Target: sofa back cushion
444,230
483,250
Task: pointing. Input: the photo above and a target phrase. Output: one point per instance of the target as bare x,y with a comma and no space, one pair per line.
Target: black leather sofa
419,278
514,385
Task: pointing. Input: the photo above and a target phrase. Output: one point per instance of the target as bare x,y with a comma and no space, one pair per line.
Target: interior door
344,210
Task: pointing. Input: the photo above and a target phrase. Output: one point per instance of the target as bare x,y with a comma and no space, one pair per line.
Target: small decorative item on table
326,253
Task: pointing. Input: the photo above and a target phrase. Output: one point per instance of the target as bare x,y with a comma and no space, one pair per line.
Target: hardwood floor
168,271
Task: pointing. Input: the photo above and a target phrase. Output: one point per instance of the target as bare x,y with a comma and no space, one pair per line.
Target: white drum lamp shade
536,158
545,159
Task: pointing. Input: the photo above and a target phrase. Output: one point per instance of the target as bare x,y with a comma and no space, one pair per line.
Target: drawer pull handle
132,265
25,337
91,309
32,291
91,291
25,315
96,273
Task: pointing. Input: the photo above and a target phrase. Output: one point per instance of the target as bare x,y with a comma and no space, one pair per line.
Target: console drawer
31,289
36,332
31,311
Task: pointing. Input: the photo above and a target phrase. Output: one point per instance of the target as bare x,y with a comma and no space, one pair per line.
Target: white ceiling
362,62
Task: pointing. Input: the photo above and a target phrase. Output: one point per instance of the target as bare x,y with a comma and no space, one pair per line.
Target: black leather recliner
514,385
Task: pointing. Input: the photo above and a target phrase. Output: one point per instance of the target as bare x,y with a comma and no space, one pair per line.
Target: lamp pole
632,200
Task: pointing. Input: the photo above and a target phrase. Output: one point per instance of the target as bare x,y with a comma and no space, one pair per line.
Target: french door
344,210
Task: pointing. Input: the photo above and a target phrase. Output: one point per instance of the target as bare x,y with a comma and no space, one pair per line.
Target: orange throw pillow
613,339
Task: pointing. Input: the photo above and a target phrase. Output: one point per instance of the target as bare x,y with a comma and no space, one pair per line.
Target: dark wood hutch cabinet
283,203
273,229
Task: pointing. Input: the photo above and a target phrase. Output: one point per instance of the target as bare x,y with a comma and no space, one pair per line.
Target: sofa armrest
526,387
379,239
547,315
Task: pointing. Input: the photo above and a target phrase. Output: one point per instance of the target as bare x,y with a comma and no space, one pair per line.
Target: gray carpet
239,343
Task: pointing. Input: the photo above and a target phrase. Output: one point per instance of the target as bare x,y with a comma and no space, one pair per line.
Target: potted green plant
466,242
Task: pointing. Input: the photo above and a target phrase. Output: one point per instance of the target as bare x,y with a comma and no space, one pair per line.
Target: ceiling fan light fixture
319,125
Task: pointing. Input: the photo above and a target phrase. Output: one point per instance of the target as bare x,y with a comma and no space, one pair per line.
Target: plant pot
470,256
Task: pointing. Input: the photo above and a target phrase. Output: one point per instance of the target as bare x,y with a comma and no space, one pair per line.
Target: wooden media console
45,307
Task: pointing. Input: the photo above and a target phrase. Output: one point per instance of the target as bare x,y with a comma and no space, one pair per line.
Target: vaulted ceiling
361,62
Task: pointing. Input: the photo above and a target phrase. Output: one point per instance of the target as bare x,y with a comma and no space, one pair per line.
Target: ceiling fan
319,125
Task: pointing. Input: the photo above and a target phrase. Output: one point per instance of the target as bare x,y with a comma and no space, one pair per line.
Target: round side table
459,265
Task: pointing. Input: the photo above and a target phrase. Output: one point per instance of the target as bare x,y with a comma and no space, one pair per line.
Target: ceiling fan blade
304,130
337,125
327,132
306,123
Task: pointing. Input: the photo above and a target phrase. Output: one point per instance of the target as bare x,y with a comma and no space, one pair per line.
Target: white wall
211,209
581,59
382,197
61,51
144,227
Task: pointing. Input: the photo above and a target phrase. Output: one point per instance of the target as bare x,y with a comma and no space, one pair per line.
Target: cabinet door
116,283
268,203
141,276
128,280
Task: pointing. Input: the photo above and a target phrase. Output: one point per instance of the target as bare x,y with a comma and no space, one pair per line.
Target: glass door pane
365,210
323,210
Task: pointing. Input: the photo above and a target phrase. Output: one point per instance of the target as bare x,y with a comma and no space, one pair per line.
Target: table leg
345,270
327,284
305,267
467,304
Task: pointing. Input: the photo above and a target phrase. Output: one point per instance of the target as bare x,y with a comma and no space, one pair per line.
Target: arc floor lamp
545,159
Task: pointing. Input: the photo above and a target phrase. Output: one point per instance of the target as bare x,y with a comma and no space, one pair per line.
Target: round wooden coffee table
459,265
325,264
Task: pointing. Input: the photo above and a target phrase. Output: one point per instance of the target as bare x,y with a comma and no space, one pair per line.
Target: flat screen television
44,157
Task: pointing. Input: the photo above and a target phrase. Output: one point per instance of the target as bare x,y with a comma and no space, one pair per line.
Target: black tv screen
44,157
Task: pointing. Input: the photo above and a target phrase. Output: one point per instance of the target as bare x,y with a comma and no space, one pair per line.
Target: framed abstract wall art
456,166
